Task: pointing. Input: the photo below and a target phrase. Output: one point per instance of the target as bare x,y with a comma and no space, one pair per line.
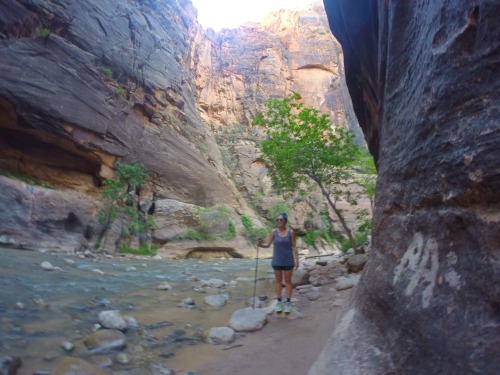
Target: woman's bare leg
288,283
278,285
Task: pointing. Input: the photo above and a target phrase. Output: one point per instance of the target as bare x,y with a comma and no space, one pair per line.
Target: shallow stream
39,309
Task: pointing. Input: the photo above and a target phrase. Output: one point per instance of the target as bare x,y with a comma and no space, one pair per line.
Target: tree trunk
332,204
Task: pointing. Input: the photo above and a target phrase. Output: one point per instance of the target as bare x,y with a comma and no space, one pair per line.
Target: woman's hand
296,263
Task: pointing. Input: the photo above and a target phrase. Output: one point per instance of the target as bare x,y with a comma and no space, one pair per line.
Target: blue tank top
282,249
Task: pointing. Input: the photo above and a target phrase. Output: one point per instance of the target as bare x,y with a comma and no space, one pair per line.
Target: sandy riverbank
286,345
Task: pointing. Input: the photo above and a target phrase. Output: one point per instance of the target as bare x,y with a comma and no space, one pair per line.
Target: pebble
187,303
68,346
164,286
105,362
122,358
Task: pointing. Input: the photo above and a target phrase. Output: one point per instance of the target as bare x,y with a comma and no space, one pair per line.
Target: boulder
112,319
42,218
300,276
217,300
248,319
220,335
356,263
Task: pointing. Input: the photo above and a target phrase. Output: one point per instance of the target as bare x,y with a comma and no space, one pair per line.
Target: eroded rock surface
423,77
86,84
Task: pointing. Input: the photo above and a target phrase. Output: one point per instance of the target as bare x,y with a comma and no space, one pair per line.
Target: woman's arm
295,251
268,242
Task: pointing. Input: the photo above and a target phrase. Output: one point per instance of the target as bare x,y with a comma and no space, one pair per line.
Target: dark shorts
282,268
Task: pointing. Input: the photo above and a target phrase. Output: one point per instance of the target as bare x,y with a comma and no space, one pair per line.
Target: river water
39,309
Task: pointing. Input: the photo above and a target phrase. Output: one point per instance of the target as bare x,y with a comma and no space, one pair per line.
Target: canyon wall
86,84
424,78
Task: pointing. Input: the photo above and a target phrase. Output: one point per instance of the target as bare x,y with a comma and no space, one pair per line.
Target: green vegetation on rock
41,33
119,196
26,179
304,150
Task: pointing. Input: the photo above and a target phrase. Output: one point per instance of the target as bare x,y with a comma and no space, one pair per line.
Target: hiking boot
288,307
279,307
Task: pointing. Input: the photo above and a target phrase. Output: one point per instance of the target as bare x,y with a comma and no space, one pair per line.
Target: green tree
303,149
122,199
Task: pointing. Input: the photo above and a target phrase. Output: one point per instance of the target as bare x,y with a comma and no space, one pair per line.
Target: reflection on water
39,309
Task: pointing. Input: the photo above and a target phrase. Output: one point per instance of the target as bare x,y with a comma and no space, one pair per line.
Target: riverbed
41,309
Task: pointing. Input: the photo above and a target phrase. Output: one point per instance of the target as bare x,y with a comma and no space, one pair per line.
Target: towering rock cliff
237,70
424,81
85,84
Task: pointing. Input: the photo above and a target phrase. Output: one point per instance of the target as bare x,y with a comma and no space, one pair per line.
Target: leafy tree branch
302,149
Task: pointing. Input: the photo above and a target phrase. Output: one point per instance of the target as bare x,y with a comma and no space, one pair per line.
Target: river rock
113,319
220,335
356,263
216,283
131,322
105,340
248,319
122,358
75,366
67,346
9,365
69,262
300,276
346,282
313,295
217,300
47,266
164,286
233,284
20,305
104,362
187,303
321,275
159,369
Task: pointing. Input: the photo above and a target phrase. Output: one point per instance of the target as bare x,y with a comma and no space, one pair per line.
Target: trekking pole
255,277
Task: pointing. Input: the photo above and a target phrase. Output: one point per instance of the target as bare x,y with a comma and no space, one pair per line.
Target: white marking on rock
419,266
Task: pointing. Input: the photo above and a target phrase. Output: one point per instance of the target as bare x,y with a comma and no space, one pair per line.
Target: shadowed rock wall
87,83
424,79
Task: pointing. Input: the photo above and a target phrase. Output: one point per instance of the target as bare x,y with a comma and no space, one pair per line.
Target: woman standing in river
285,260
